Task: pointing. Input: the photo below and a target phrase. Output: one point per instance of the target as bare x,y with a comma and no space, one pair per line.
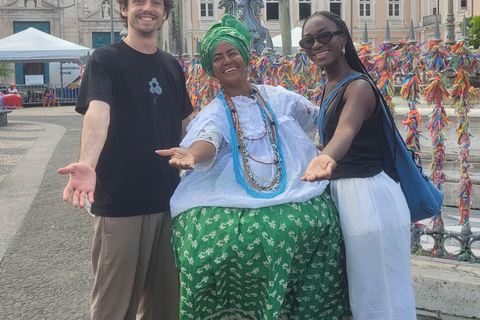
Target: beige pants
134,272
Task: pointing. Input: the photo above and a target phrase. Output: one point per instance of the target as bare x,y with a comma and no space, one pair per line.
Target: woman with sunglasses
374,215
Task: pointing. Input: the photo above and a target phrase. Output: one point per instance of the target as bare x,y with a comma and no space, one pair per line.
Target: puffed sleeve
212,134
306,114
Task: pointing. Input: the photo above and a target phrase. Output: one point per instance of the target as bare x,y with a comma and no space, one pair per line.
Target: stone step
445,289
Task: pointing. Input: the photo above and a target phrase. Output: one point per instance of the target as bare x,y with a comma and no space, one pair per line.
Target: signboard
34,79
69,72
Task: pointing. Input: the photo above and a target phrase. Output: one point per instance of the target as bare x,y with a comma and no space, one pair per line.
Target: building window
206,9
34,68
365,8
100,39
394,8
272,10
433,7
336,7
304,9
463,4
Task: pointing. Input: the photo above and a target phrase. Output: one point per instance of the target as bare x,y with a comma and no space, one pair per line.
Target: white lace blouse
213,183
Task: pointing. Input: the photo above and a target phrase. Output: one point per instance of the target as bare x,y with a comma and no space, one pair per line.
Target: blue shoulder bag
423,198
399,162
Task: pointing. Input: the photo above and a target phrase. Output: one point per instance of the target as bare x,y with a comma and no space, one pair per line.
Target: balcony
430,20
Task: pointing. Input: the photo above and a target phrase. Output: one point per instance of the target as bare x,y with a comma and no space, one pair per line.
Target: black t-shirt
364,157
148,101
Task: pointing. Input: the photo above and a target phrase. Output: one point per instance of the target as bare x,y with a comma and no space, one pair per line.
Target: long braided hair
351,55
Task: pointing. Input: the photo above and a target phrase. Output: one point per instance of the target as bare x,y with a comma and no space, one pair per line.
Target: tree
473,31
5,70
285,26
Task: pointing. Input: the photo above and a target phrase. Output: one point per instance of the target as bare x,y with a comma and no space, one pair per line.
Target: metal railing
440,243
32,94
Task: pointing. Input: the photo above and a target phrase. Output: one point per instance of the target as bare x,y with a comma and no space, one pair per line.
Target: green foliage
473,31
5,70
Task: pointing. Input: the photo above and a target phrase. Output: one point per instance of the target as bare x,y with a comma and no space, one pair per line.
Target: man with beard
134,99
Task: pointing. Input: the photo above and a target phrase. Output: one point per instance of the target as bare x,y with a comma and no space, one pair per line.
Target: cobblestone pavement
45,244
45,268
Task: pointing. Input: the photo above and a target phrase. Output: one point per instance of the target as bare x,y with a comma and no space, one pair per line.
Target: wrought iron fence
32,94
440,243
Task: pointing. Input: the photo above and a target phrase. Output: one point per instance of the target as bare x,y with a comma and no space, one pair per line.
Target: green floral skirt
283,261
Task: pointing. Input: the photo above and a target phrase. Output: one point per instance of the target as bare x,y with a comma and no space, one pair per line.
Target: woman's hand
179,158
320,168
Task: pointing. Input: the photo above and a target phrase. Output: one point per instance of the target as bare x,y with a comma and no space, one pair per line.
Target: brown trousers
134,271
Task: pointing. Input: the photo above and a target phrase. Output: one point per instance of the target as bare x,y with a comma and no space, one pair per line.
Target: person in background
374,214
47,95
12,88
250,239
135,101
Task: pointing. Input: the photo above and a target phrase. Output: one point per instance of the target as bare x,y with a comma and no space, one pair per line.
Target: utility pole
285,26
112,32
59,8
351,18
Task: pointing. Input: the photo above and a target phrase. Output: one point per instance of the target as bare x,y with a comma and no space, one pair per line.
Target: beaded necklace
246,177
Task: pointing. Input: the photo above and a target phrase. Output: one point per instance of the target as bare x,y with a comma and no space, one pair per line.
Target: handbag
400,163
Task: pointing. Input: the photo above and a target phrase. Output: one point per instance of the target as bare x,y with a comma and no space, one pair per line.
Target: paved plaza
45,244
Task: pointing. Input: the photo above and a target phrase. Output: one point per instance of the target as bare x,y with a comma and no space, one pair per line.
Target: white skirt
375,223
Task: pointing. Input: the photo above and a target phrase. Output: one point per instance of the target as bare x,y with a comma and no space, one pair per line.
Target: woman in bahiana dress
251,239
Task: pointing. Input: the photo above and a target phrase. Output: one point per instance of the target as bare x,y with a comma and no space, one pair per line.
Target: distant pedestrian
135,101
12,88
48,96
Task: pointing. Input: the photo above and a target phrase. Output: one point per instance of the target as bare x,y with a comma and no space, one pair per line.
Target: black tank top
364,157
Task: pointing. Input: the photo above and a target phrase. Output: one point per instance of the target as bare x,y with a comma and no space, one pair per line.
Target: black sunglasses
322,37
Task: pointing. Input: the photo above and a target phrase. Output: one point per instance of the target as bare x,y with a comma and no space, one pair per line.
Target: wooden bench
3,116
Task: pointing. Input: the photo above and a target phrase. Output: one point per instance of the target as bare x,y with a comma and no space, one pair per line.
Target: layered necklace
243,171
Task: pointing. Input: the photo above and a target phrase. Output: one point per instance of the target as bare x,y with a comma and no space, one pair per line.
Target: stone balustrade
450,167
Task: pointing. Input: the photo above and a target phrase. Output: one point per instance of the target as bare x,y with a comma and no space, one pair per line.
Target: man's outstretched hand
81,183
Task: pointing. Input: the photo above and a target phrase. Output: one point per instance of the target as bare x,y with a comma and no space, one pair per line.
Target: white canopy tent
296,36
32,45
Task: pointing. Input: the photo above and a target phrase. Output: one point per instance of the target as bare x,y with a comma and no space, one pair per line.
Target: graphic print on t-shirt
155,89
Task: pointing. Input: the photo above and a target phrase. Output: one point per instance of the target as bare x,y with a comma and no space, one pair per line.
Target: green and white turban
228,29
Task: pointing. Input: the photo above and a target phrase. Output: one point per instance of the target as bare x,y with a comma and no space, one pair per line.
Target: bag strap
325,103
395,131
383,104
387,112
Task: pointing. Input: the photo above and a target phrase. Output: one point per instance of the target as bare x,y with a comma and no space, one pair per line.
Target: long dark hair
351,55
